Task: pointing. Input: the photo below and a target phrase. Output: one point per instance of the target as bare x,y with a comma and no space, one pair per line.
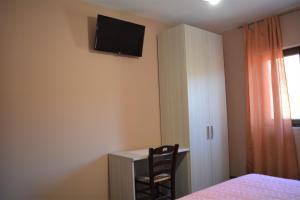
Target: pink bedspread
250,187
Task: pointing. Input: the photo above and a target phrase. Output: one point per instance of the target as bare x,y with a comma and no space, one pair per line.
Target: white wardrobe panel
193,102
173,87
218,113
197,61
173,100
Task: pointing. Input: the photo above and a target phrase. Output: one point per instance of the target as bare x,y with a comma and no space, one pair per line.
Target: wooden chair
162,167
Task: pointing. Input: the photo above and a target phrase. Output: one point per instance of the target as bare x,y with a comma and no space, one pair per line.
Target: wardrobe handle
211,132
207,133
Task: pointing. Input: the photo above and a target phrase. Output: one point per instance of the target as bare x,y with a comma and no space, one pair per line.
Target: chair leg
173,189
157,190
152,190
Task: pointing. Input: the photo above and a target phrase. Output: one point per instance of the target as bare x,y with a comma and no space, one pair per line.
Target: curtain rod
280,14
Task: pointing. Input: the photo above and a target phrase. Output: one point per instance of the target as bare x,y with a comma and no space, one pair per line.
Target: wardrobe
193,104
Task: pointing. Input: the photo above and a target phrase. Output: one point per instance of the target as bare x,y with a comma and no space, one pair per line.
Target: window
292,69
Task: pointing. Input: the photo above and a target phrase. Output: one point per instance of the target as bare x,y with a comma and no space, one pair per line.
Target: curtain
271,147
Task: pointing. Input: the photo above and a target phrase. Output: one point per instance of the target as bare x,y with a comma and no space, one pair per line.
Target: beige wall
290,25
65,106
236,100
235,88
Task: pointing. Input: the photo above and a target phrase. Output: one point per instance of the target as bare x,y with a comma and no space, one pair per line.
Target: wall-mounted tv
118,36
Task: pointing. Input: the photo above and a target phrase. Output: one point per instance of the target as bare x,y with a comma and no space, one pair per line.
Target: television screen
117,36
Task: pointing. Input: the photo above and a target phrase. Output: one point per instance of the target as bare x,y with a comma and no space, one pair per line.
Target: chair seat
158,178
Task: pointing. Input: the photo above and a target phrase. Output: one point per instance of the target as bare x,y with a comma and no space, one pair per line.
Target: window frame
289,52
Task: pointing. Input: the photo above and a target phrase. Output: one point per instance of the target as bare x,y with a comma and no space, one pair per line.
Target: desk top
140,154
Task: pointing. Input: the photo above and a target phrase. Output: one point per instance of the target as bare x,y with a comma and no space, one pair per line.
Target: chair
162,167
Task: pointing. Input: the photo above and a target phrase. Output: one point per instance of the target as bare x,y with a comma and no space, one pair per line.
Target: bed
250,187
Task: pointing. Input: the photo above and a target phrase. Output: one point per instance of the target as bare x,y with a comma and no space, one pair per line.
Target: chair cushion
158,178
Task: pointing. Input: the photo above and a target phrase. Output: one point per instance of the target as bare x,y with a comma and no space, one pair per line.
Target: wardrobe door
173,87
197,78
174,100
217,106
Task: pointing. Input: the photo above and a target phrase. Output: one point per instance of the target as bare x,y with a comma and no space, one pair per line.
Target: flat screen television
118,36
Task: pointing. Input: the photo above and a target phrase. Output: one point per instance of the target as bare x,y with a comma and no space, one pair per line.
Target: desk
125,165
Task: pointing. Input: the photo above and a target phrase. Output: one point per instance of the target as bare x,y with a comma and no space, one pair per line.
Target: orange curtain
271,148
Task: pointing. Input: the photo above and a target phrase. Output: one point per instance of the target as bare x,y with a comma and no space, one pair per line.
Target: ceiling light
213,2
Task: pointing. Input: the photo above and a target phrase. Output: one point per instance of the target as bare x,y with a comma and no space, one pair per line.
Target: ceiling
227,15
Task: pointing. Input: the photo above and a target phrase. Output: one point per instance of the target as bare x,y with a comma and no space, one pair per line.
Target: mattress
250,187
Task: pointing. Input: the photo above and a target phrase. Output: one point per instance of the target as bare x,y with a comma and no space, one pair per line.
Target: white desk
125,165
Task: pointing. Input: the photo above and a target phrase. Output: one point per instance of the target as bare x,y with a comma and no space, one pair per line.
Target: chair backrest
162,160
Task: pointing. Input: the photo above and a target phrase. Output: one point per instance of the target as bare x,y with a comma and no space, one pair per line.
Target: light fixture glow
213,2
